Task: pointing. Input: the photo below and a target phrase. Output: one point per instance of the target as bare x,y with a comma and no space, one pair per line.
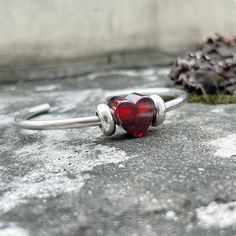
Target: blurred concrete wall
59,29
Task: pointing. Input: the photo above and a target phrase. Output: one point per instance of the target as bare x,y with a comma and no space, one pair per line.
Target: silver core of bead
108,125
161,110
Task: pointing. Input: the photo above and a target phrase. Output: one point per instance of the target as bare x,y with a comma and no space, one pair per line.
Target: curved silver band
23,119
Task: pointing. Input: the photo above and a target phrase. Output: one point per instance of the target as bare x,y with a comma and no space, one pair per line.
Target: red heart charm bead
135,113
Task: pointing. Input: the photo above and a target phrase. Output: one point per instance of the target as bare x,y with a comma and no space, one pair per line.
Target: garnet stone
134,113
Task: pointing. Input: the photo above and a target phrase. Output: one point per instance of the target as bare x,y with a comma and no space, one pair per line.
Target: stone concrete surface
180,179
33,31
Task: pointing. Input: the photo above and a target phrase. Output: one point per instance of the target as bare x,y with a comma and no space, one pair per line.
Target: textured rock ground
178,180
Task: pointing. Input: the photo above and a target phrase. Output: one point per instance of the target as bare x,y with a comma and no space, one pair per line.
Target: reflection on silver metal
108,124
161,110
23,119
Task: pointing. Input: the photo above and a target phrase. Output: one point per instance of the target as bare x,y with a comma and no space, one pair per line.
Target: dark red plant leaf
210,70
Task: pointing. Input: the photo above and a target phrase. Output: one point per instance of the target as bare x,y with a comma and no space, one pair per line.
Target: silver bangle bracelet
136,112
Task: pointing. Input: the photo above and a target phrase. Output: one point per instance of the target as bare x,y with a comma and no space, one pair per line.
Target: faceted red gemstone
134,113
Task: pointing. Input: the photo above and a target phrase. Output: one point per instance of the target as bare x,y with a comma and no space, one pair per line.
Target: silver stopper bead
161,110
108,125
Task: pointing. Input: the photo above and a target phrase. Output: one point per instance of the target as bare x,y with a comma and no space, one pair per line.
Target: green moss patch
212,99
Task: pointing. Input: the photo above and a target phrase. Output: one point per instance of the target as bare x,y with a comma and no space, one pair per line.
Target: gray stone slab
73,67
180,179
